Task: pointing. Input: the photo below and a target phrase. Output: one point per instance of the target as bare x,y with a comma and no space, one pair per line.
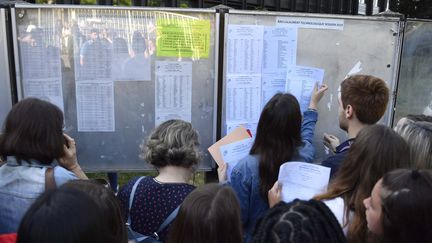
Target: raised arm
69,161
310,117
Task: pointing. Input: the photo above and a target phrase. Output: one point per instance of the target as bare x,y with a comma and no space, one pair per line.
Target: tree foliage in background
410,8
413,8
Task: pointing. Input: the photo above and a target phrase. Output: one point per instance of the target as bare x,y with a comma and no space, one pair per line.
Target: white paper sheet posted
279,49
302,180
251,126
311,23
243,98
41,65
48,89
244,49
95,106
173,91
300,82
232,153
272,83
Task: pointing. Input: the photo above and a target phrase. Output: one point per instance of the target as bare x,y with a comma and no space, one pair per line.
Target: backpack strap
169,219
131,197
137,236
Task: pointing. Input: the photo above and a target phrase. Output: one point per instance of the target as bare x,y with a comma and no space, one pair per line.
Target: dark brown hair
277,138
377,149
211,214
64,215
174,142
406,197
33,130
368,95
109,204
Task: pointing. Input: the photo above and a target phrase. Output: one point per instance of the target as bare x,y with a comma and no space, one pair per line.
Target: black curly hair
299,222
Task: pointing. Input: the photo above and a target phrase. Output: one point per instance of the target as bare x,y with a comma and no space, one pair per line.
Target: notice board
5,85
265,52
119,72
414,95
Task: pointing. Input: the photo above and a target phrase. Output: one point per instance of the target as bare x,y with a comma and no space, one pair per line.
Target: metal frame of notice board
111,96
339,45
415,70
5,85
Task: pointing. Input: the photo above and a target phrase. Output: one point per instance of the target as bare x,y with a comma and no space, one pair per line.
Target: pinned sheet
183,38
311,23
300,82
354,70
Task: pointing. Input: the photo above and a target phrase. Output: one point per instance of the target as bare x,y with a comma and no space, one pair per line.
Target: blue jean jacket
245,177
20,186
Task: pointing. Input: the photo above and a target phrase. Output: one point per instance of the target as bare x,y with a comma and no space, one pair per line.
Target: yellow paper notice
183,38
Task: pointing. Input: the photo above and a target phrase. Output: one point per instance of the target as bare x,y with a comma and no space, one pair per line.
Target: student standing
280,137
362,101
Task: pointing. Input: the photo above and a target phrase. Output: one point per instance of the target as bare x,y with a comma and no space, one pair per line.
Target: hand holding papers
302,180
238,134
234,152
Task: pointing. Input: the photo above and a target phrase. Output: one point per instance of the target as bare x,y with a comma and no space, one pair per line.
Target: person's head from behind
299,222
138,43
419,138
64,215
37,36
277,138
120,46
107,202
377,150
33,129
413,118
399,210
173,143
363,99
210,213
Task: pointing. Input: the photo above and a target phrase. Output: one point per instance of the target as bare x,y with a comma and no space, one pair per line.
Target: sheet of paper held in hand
302,180
232,153
237,134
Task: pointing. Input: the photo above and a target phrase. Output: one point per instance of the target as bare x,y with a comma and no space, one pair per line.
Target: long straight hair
277,138
377,150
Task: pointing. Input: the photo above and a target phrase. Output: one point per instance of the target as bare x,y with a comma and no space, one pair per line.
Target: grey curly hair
174,142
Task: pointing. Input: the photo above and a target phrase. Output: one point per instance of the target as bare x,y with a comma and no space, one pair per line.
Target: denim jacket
245,177
20,185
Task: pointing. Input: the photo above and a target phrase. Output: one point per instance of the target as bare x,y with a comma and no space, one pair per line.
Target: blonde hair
174,142
419,138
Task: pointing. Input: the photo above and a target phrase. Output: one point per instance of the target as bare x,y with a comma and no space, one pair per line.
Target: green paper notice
183,38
